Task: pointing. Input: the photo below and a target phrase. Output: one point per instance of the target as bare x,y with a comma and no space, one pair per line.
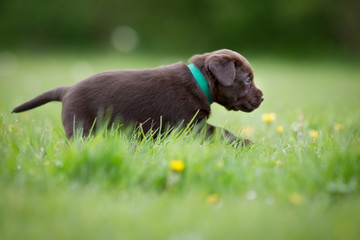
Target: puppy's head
231,80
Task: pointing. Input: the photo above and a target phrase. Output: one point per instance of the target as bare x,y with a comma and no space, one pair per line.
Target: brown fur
167,95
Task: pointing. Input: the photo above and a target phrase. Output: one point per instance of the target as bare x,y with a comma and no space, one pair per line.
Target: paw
243,142
247,142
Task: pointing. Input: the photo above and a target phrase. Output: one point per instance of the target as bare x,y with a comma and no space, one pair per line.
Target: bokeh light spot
125,39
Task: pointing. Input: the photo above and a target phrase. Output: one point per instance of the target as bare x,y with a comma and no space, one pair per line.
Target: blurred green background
172,27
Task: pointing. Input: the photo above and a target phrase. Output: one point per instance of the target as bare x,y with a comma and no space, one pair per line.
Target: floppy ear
222,68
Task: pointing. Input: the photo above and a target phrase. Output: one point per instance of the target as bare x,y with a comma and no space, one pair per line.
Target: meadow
300,180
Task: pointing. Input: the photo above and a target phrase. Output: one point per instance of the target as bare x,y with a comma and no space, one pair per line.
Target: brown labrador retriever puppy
160,97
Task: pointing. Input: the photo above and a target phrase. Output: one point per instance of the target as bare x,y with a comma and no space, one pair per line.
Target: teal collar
199,77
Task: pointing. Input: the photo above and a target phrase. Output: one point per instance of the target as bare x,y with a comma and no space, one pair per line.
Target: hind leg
76,121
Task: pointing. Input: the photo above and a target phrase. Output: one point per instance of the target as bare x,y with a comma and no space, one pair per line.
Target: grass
290,185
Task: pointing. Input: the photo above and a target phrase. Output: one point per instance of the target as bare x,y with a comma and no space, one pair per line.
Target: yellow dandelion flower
268,117
248,130
296,198
314,134
212,198
337,126
278,162
279,129
177,165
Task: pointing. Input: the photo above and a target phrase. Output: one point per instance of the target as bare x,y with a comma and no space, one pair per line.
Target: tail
53,95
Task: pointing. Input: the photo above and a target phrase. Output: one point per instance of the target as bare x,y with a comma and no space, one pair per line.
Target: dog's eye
247,80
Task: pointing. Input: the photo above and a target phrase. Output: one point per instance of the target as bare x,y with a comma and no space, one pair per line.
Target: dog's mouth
245,107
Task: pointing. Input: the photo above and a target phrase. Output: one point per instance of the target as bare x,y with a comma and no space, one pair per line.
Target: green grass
115,186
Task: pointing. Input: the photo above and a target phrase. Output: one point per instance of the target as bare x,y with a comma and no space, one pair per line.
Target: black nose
262,98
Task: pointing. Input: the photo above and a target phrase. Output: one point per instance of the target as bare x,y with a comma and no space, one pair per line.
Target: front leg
232,138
